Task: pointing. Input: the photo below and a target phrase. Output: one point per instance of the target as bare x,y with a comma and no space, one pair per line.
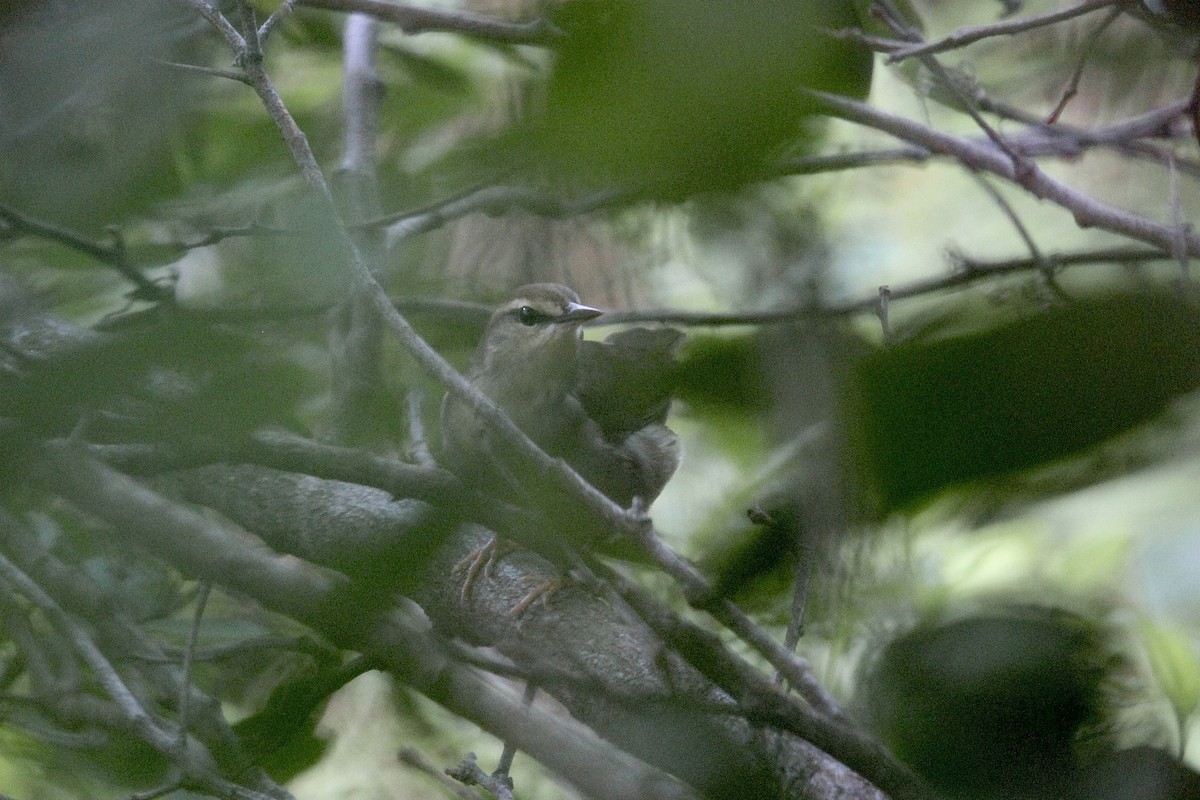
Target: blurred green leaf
1174,662
720,374
989,705
89,107
687,96
932,413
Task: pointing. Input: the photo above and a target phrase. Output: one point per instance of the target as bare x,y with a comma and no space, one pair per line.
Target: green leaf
681,97
936,412
1174,663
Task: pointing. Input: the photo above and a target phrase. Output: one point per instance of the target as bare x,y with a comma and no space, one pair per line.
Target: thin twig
414,758
419,19
504,765
418,443
1125,136
215,18
967,272
965,36
1179,251
1085,55
1011,214
882,308
471,774
149,729
277,16
188,653
898,23
492,200
837,162
1087,211
229,74
113,256
155,792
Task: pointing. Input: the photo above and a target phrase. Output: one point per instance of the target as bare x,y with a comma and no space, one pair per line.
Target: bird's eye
530,316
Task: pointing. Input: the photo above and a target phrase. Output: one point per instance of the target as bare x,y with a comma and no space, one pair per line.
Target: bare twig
469,773
1011,214
418,443
414,758
215,18
157,791
1127,136
1087,211
220,233
492,200
965,36
189,651
228,74
356,337
882,305
813,165
277,16
967,271
113,255
504,765
1179,251
420,19
1085,55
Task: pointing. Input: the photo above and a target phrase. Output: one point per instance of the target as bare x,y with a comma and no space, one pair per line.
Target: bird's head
536,333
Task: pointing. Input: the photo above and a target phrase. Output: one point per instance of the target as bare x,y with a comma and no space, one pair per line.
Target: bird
600,406
591,404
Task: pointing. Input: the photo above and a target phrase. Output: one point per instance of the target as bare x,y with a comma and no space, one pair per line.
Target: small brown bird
599,406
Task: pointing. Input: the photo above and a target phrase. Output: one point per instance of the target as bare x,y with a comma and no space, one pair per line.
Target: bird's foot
539,594
479,561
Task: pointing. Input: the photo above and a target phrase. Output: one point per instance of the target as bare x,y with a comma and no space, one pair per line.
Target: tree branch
969,35
210,550
356,336
1088,212
419,19
113,255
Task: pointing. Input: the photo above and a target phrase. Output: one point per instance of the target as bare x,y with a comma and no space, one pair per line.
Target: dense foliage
935,529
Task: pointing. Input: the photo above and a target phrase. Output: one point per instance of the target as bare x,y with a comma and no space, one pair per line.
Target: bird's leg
542,593
479,560
581,574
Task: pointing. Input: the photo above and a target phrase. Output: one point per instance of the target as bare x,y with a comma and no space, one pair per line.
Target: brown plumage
600,406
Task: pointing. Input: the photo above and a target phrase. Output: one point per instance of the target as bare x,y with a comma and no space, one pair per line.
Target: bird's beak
576,312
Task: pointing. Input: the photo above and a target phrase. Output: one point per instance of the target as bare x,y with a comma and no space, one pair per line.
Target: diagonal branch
969,35
1087,211
113,256
402,643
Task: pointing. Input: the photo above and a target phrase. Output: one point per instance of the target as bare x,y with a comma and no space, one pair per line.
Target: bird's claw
479,560
540,593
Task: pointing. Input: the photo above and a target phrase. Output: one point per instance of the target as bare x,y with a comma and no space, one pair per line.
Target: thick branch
209,550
